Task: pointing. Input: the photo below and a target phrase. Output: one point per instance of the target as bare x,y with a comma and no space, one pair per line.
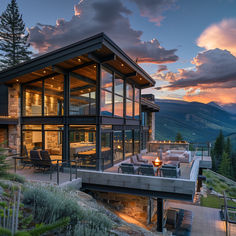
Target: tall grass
50,204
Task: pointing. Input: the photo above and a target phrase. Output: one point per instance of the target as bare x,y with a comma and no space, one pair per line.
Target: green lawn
215,202
219,184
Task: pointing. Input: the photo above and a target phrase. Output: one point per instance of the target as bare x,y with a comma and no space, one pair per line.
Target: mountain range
197,122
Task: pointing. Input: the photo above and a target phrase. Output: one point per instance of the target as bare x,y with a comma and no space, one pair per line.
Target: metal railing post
202,153
57,172
15,164
76,173
70,171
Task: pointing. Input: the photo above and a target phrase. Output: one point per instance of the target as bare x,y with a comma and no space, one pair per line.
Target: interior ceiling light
17,80
122,65
79,60
44,71
52,77
140,78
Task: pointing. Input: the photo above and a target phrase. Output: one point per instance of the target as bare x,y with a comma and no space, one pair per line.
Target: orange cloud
219,95
221,35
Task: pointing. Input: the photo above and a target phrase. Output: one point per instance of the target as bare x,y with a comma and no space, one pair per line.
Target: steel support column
66,144
99,160
199,182
160,214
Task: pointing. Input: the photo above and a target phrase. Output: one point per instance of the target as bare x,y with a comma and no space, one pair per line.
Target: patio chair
26,160
35,158
127,168
134,160
140,159
46,162
146,169
170,171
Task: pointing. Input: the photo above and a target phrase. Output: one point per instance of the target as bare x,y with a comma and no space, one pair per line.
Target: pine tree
228,148
224,168
13,40
178,137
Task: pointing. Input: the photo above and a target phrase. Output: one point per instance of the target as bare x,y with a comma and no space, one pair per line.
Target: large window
129,100
106,148
53,139
32,99
33,139
83,145
117,146
106,92
119,97
82,98
128,143
136,103
136,141
54,96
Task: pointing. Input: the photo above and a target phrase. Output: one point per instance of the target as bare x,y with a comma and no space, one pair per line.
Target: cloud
153,9
162,68
221,35
219,95
92,17
211,67
212,79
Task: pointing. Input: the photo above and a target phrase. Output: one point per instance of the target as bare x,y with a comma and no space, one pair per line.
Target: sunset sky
188,46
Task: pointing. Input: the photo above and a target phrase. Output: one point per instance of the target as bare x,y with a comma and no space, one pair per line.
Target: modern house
85,99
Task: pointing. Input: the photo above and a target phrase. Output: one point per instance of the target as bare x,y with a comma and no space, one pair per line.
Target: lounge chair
140,159
26,160
170,171
146,169
35,158
134,160
127,168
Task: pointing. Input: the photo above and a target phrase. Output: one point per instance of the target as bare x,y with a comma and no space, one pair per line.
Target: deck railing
225,210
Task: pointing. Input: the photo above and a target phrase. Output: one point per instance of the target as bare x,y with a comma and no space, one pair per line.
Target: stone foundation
3,137
134,206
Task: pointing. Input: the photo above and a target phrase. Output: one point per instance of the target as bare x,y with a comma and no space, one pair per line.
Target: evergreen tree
224,168
178,137
228,147
219,145
13,41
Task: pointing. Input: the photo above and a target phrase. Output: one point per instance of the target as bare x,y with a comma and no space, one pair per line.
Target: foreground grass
215,202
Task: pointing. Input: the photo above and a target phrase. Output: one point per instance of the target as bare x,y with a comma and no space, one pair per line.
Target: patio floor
185,168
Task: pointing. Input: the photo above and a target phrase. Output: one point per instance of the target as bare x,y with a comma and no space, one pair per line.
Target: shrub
15,177
50,204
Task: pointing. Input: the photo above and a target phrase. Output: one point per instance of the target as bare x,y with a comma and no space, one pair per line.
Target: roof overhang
149,106
96,49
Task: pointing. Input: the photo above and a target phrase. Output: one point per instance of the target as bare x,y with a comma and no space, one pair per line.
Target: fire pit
157,162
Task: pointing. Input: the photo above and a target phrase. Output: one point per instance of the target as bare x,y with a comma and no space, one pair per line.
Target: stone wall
14,111
134,206
3,137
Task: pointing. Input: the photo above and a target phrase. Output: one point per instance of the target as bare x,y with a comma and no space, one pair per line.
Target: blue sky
182,24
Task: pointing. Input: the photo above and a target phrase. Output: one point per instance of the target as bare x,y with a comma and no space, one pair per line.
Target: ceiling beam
81,88
83,78
131,74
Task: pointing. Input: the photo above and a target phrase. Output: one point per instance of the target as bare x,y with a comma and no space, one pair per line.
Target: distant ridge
197,122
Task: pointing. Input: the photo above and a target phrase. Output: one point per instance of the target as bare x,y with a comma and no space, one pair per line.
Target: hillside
197,122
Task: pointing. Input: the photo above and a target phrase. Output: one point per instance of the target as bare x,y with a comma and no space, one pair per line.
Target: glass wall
32,99
128,143
54,96
106,92
119,97
106,146
136,103
53,140
82,98
129,100
32,138
83,145
136,141
117,146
